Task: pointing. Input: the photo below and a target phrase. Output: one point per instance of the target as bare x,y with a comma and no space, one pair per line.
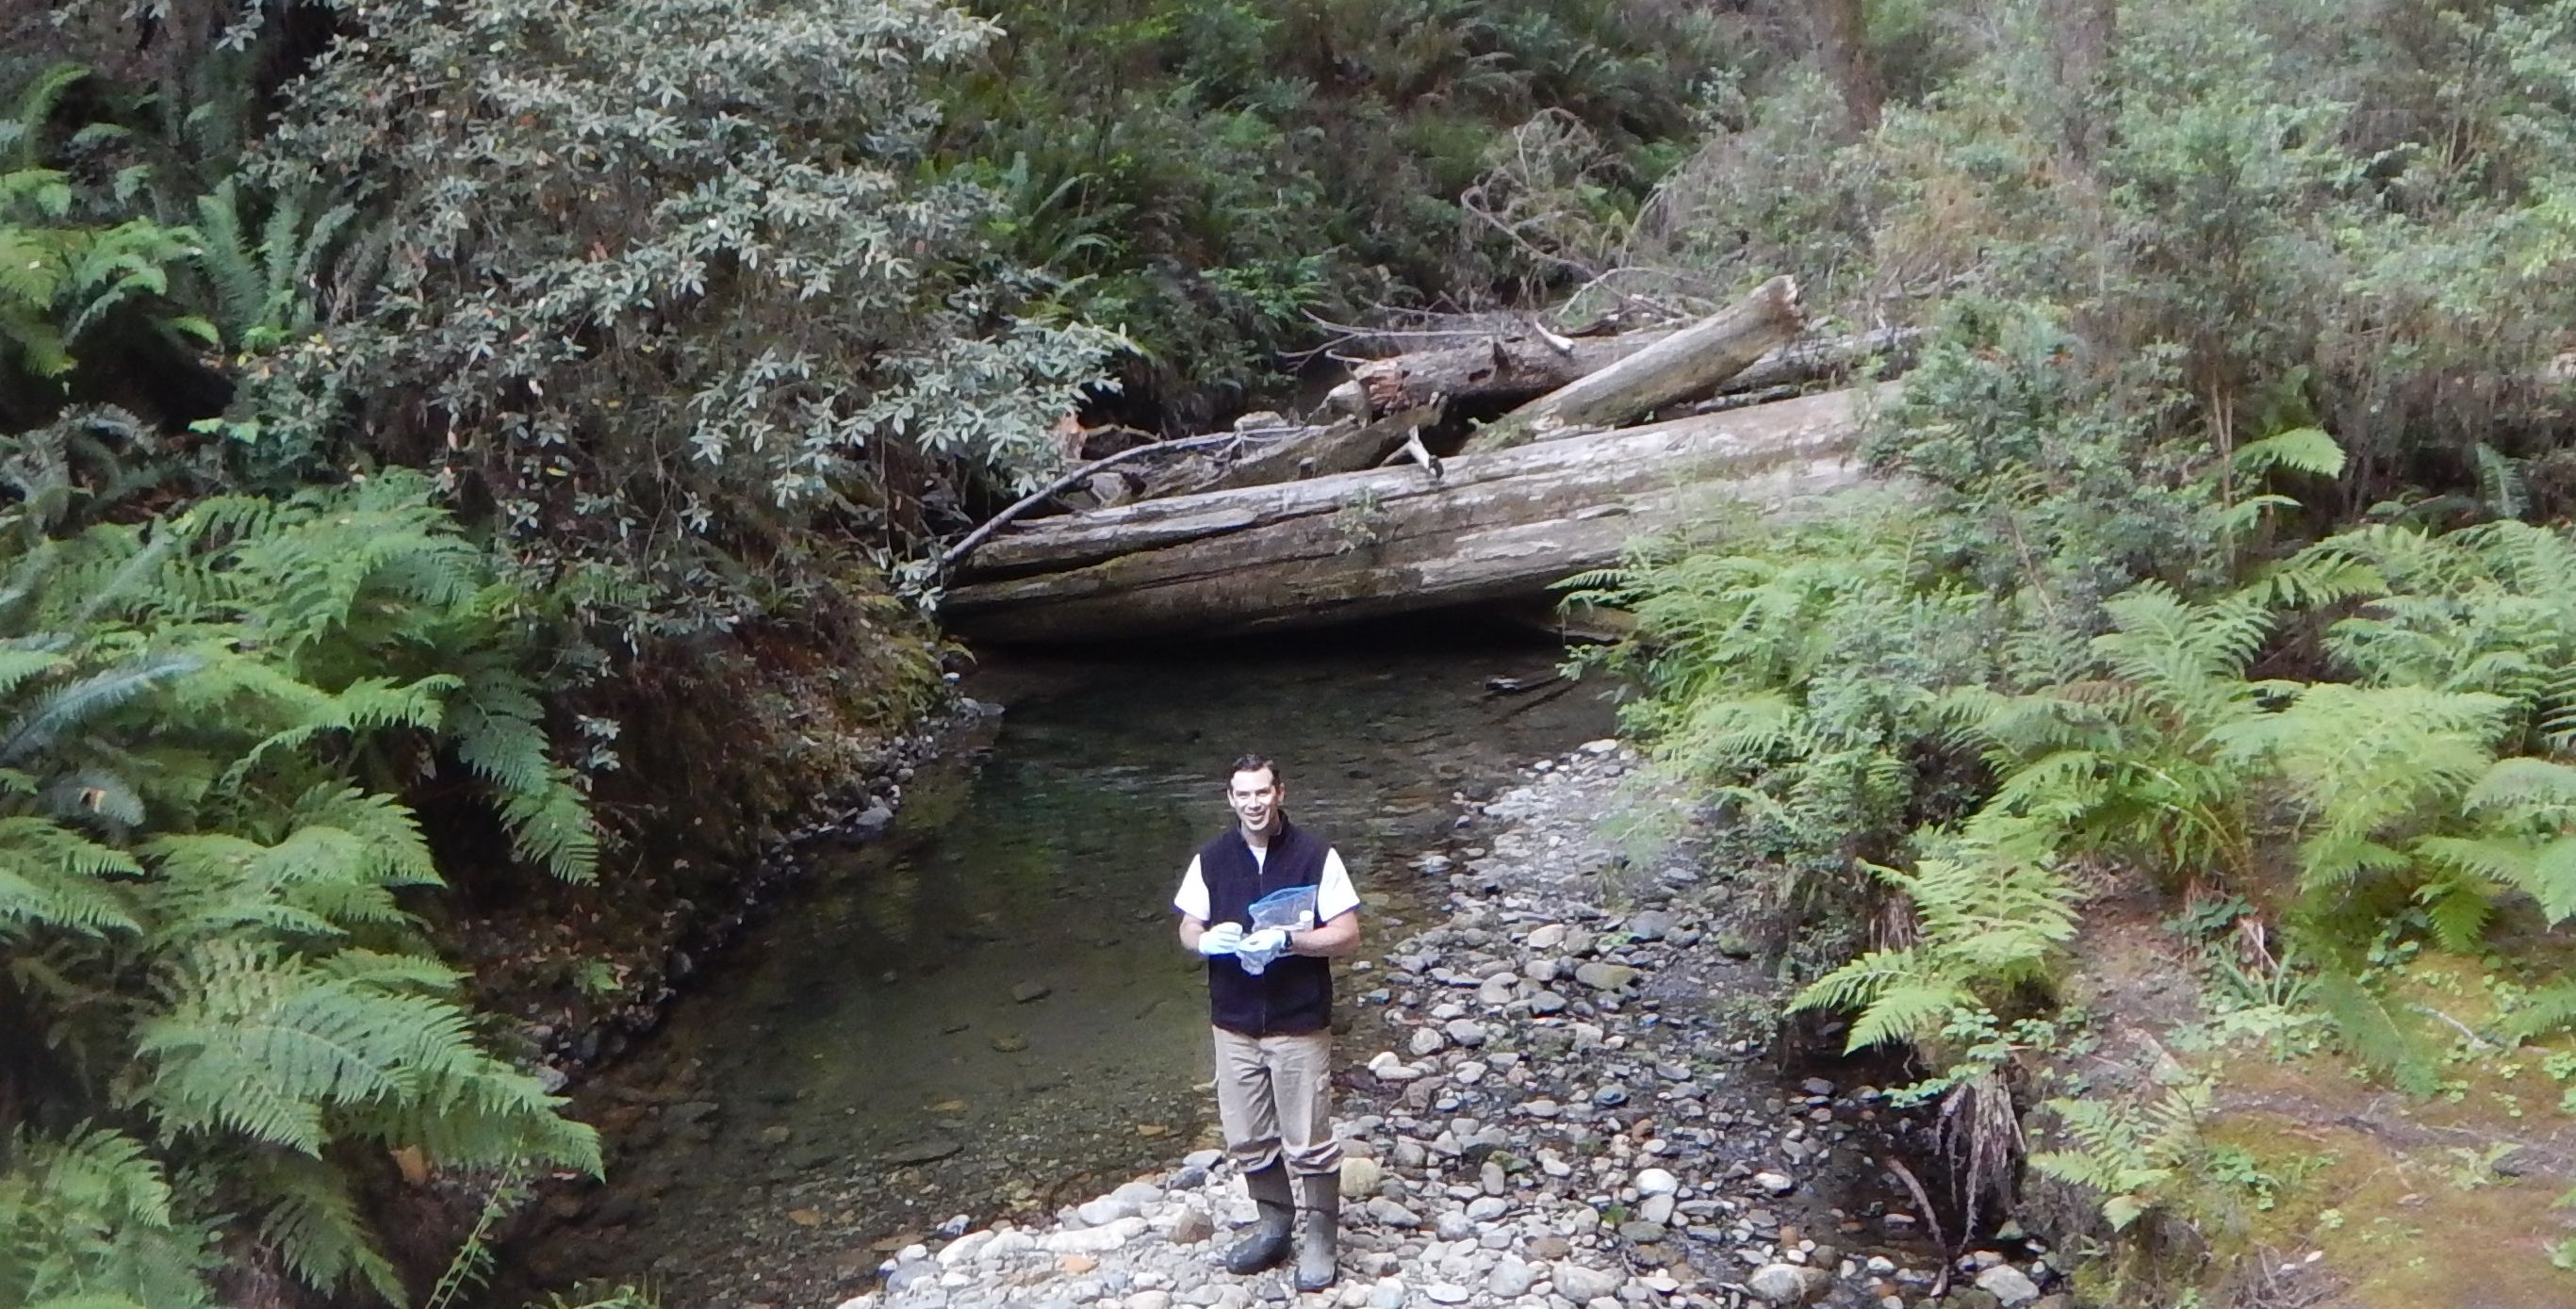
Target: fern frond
307,1214
69,706
2543,1012
2458,909
2378,1036
2305,450
2500,482
52,876
257,1044
88,1218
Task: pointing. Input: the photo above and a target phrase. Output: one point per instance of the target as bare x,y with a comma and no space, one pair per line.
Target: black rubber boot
1267,1246
1315,1244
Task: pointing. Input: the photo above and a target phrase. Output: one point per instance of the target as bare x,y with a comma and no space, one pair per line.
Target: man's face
1255,797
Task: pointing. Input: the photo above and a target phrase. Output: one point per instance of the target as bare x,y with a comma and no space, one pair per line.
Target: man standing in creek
1270,905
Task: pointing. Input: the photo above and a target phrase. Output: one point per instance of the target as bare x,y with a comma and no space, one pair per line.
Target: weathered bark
1844,35
2081,34
1317,452
1830,358
1514,369
1683,366
1500,370
1500,525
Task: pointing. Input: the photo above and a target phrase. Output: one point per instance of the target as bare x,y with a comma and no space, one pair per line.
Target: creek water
985,1012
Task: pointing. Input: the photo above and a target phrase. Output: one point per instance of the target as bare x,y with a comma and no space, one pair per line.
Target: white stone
1511,1279
1786,1284
1580,1284
2008,1285
1360,1177
1391,1069
964,1248
1656,1181
1093,1240
1005,1244
1775,1183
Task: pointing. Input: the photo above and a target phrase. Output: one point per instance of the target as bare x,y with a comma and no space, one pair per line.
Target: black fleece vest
1295,993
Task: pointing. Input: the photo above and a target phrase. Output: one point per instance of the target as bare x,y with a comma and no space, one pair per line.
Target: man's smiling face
1255,796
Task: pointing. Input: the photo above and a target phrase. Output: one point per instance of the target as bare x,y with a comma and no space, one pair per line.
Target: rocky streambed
1559,1094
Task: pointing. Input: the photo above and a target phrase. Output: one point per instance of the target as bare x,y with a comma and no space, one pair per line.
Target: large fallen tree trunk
1332,549
1683,366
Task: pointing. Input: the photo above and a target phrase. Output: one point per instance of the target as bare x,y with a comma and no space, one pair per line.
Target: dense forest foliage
408,408
2225,588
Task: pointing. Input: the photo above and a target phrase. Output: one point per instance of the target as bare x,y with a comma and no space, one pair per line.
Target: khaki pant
1274,1096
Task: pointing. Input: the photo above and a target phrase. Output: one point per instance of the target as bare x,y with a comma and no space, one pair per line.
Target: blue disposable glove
1257,949
1220,939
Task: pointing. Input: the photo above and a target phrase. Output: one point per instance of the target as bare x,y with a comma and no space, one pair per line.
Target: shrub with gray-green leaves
663,284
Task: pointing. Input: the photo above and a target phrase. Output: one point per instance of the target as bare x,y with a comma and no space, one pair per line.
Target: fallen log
1683,366
1515,368
1499,525
1502,369
1828,359
1341,447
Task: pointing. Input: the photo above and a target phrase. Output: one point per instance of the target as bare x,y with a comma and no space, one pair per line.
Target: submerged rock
928,1149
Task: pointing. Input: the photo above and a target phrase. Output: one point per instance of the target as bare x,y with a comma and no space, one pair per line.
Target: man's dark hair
1253,763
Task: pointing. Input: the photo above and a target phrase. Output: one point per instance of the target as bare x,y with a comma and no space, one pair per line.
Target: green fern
1990,920
2134,1158
198,882
2382,1038
2543,1012
265,287
89,1218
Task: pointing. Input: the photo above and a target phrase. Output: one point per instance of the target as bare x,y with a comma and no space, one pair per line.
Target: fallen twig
1930,1219
2475,1041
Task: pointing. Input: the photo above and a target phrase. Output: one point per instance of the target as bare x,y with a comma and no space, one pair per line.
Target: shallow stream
984,1011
